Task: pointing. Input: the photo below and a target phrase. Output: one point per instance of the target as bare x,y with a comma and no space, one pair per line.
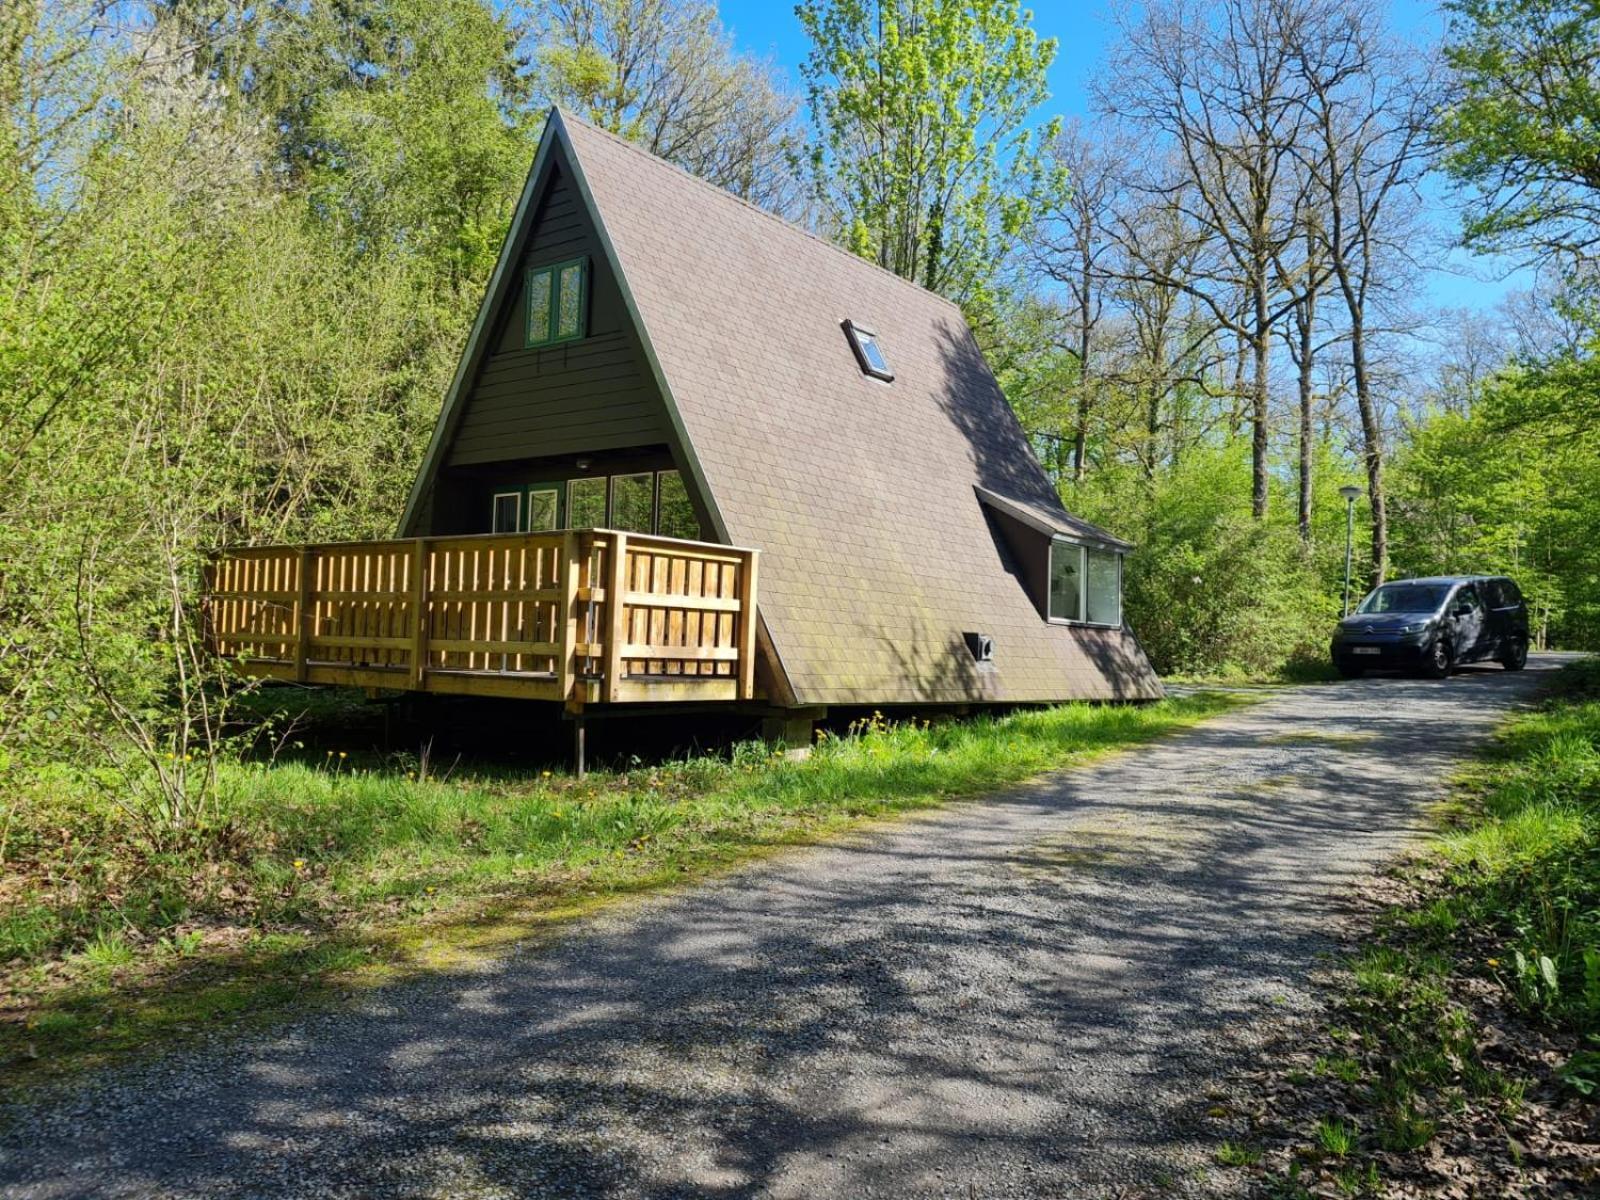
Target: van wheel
1439,661
1515,658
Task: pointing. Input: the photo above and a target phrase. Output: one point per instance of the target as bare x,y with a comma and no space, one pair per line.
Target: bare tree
1307,336
1170,345
1070,247
1368,110
1218,86
665,74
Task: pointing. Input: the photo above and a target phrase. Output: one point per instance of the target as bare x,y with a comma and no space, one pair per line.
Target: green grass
353,871
1237,1154
1336,1137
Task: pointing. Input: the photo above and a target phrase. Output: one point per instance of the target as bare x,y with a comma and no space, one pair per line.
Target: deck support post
419,612
790,730
580,737
566,634
304,622
616,613
747,627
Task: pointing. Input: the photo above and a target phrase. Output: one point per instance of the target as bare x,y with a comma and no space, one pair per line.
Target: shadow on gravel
1012,996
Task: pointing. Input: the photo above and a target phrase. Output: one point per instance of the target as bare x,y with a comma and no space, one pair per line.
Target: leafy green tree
1195,609
1491,490
1521,128
424,149
926,156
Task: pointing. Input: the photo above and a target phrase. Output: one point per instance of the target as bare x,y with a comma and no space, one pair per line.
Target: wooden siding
589,395
592,616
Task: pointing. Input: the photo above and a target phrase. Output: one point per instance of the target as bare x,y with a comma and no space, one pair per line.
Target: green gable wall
586,396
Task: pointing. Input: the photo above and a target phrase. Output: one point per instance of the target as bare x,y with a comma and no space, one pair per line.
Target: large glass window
674,514
507,513
1066,582
639,502
586,503
544,509
632,499
557,302
1103,587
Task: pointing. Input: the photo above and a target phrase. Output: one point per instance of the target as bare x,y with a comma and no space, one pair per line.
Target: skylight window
869,354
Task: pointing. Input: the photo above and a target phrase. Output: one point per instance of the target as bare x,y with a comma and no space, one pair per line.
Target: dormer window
869,355
558,302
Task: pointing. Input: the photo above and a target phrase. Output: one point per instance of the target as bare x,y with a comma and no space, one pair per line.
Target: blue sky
769,29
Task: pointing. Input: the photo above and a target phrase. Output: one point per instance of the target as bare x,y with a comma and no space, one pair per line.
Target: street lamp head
1350,493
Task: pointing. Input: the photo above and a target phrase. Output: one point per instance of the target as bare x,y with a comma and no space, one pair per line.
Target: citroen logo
1369,629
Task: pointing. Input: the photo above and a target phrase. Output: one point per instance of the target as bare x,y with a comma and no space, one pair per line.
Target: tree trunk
1307,319
1372,447
1080,437
1258,416
1152,426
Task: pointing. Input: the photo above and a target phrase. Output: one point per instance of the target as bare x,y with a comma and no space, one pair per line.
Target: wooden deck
586,616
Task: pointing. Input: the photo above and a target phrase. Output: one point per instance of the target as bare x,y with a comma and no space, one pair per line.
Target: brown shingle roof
877,552
1050,519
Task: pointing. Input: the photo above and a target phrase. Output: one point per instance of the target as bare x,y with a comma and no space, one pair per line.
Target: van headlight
1415,627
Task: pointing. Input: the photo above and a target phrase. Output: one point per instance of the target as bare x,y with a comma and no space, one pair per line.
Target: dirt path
1024,996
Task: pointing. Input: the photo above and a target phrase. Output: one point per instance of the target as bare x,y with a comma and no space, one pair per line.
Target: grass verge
1463,1058
312,878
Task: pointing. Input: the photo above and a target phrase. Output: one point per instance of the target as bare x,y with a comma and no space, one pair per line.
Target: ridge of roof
567,115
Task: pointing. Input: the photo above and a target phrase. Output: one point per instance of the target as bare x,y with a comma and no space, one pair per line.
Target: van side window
1494,593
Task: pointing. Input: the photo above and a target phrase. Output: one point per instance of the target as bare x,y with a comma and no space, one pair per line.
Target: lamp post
1351,494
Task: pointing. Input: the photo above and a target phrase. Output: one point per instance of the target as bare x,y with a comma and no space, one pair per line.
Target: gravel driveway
1022,996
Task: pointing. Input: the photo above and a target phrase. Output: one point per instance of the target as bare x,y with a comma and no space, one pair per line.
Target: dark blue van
1434,625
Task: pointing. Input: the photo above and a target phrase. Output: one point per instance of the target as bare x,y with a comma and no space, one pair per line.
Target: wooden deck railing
587,616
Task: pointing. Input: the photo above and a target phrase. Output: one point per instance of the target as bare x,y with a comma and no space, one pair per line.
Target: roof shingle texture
876,553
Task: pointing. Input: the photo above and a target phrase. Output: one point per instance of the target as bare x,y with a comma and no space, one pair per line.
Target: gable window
869,354
558,300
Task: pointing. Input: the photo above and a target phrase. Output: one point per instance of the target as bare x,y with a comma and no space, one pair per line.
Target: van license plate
1365,650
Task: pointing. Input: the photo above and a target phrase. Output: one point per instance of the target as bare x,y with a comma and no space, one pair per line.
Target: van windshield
1405,598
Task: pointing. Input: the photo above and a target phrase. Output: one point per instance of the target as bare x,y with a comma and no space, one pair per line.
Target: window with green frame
558,302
